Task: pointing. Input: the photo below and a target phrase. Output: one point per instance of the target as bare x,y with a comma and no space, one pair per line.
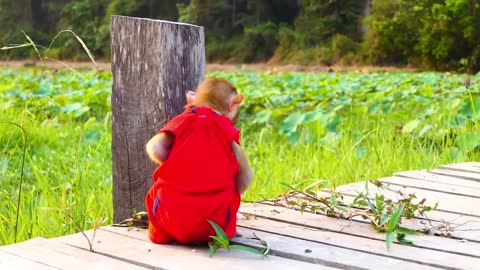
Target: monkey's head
218,94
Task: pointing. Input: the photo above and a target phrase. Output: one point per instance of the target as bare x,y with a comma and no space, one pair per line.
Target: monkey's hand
158,148
245,174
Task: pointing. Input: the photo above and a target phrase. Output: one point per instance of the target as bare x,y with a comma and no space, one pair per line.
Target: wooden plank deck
297,240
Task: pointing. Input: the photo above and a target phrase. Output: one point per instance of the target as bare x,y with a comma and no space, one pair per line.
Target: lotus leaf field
297,128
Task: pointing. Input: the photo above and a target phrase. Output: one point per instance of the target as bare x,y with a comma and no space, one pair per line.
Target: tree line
432,34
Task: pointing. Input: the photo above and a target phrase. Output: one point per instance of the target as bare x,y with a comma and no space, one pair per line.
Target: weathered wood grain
53,254
133,247
15,261
304,247
436,178
290,247
154,63
415,184
447,202
464,227
464,167
404,254
473,176
359,229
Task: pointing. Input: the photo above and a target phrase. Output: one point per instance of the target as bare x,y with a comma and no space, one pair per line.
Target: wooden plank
463,167
154,64
447,202
451,209
419,257
322,255
125,245
359,229
458,174
465,226
286,241
14,261
52,253
415,184
436,178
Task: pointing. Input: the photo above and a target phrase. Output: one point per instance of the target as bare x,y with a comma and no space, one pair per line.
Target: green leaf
3,165
471,108
92,137
468,141
248,249
372,206
392,224
221,242
292,138
221,236
289,125
410,126
312,116
315,183
81,111
385,219
213,249
361,150
424,130
72,107
333,199
406,242
407,231
303,206
287,186
389,239
262,117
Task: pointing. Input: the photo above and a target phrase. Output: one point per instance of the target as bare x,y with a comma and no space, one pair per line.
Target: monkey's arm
245,174
159,147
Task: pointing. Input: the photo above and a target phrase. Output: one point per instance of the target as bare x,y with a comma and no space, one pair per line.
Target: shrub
259,42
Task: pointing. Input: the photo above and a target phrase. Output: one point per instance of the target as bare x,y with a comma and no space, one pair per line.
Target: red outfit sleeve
178,124
231,132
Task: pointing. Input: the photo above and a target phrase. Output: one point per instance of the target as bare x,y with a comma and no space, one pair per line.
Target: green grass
65,176
295,127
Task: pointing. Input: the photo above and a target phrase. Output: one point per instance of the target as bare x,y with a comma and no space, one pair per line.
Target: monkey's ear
236,100
191,97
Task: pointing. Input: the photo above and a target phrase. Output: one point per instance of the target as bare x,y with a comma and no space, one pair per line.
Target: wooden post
154,63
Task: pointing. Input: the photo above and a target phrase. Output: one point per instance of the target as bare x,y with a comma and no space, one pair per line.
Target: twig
264,243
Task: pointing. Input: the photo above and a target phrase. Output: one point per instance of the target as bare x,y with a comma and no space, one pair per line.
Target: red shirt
197,181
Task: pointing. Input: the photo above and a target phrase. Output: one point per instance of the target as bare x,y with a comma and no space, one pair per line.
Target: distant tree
393,30
450,35
320,20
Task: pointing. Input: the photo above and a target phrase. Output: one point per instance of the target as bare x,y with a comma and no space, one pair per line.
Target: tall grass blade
15,46
34,46
84,46
21,175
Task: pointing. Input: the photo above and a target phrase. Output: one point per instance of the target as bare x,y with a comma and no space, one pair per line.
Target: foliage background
429,34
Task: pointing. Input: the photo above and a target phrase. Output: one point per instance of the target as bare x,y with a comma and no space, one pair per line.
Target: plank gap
430,189
137,263
453,174
438,209
296,208
357,235
352,249
298,257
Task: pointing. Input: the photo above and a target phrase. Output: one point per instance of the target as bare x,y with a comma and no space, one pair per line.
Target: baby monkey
202,168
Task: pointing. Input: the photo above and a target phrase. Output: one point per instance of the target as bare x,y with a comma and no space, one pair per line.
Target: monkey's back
197,182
